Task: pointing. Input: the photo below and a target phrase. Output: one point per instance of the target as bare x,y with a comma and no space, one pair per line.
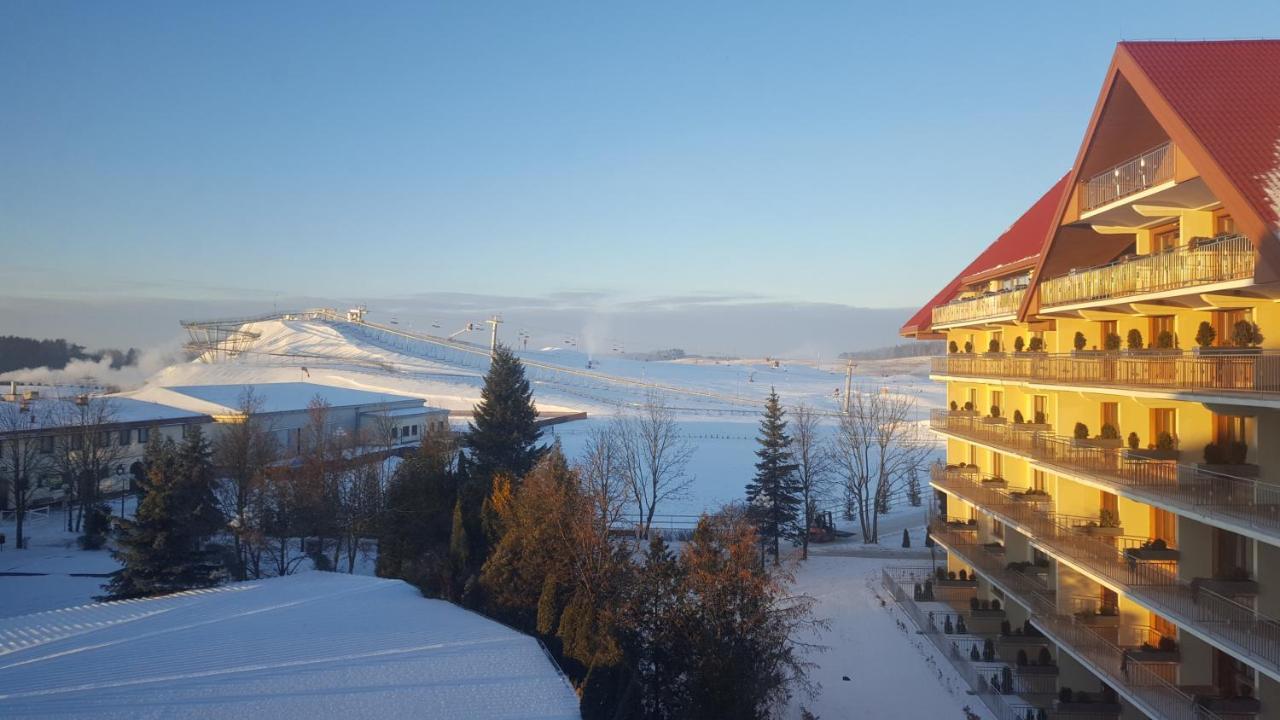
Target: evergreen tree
503,436
459,545
774,493
162,550
906,538
913,488
417,531
547,606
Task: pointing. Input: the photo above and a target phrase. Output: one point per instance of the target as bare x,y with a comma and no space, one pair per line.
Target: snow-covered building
119,425
303,646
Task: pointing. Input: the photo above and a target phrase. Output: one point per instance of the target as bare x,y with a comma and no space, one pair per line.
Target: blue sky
807,152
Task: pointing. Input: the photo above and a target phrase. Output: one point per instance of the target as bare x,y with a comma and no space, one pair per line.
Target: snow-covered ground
303,646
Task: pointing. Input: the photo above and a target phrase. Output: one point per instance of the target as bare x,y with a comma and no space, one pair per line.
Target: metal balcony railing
1236,628
1130,177
1229,257
1227,500
982,307
1144,686
1251,372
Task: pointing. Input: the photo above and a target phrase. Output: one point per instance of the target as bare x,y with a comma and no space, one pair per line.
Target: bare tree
656,456
24,458
242,453
877,448
85,450
813,461
602,472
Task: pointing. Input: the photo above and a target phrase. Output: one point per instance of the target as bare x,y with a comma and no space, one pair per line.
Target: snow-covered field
303,646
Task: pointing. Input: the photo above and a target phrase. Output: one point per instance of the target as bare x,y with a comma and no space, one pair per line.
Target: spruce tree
459,545
503,435
774,493
162,549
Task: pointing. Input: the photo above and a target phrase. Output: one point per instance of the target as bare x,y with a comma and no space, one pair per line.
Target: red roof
1228,94
1019,245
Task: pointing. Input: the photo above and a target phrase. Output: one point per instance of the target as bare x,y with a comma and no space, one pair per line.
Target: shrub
960,626
1245,334
954,406
988,650
1205,334
1111,342
974,603
1019,344
1005,628
1036,345
1108,519
1017,417
968,406
995,682
993,346
974,655
1165,340
963,575
1134,339
995,604
1168,644
1081,431
1109,432
1040,418
995,411
947,627
940,573
1158,544
1022,658
952,347
1213,454
1006,679
1044,658
1133,441
951,574
1064,695
1079,341
906,538
1164,441
968,346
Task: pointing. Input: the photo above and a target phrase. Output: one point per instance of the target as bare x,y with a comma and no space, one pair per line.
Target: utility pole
848,386
494,322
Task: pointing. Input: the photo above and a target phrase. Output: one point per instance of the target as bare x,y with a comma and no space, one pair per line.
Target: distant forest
18,353
911,349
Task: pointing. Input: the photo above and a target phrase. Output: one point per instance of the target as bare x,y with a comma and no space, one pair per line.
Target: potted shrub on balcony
1166,340
1246,338
1111,343
1070,703
985,609
968,346
952,347
964,410
1133,340
1104,616
1154,550
1078,341
994,418
958,579
1080,435
1031,495
1019,344
1205,335
1108,437
1228,459
1036,345
995,481
1042,665
1165,650
1107,525
1164,448
993,347
1039,423
1231,582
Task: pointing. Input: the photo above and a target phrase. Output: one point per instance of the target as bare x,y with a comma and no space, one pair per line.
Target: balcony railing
1003,707
1221,259
1145,171
1242,371
1219,498
1236,628
983,307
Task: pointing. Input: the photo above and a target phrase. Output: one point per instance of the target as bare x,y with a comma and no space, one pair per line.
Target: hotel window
973,398
144,434
1229,429
1223,224
997,529
1163,420
1108,602
1110,415
973,455
414,430
1039,408
1224,321
997,400
998,337
997,465
124,438
1158,324
1164,238
1164,526
1108,503
1106,328
1037,480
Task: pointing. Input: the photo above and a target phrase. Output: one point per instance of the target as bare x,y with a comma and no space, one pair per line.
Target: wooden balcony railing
1130,177
1234,627
1220,259
1216,498
979,308
1141,684
1234,371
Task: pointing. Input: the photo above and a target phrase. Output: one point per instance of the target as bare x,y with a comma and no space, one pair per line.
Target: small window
404,431
125,437
144,435
46,444
1224,225
1164,238
415,430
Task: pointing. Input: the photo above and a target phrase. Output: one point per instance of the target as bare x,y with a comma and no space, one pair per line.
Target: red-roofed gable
1228,94
1018,247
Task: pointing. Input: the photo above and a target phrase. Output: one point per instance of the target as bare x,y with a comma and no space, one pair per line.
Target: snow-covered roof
303,646
274,397
402,412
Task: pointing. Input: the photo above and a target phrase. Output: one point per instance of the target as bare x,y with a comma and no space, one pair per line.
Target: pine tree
459,545
547,606
774,494
906,538
503,435
162,549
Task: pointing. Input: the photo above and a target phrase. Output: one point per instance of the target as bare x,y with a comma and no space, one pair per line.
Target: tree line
19,353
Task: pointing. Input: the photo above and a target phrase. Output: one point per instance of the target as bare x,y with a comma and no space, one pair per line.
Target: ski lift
435,323
395,321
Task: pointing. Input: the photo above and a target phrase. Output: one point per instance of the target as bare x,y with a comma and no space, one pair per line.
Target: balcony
1205,261
1251,374
1233,627
1151,168
979,309
1143,685
1240,504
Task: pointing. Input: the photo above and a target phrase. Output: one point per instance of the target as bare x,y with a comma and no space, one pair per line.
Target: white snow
302,646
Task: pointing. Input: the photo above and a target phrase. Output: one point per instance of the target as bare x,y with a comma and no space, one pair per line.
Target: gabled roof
1228,94
1219,102
1017,248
